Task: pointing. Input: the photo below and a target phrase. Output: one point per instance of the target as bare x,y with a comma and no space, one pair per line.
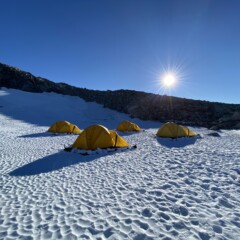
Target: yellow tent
97,136
126,126
173,130
64,127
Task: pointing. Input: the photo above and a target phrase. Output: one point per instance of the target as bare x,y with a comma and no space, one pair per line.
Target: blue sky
127,44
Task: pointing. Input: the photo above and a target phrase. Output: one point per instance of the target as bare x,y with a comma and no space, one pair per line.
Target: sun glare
169,80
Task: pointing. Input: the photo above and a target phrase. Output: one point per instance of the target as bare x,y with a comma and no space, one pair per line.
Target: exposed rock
214,134
142,105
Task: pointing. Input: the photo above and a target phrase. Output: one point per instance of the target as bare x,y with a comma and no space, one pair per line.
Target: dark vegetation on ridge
146,106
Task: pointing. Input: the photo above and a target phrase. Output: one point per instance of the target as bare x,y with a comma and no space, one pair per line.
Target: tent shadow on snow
178,142
42,134
127,133
54,162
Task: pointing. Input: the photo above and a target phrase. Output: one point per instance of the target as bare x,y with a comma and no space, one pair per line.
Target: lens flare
169,80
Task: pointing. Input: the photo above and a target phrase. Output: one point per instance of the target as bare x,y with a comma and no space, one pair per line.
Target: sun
169,80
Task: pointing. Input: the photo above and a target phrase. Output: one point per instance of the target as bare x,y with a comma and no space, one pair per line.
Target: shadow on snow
45,134
40,109
54,162
127,133
177,142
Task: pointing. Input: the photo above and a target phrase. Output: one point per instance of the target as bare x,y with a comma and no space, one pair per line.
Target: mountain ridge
146,106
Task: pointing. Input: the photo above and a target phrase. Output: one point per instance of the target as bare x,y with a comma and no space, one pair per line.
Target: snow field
164,189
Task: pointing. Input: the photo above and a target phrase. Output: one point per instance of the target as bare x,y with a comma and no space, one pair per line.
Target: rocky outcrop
230,120
142,105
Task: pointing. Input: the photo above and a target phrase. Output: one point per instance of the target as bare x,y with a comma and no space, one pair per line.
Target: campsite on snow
165,188
120,120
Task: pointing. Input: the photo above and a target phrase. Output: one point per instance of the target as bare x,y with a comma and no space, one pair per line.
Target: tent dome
173,130
126,126
98,136
64,127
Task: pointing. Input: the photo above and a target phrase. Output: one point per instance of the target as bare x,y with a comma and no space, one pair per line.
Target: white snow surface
163,189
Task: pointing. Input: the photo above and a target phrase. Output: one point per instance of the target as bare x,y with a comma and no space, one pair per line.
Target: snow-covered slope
164,189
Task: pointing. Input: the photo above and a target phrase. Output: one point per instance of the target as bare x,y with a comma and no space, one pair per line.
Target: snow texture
164,189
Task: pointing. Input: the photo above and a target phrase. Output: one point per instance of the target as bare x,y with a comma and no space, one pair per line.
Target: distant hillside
142,105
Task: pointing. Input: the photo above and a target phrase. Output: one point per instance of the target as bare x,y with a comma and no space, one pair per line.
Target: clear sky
127,44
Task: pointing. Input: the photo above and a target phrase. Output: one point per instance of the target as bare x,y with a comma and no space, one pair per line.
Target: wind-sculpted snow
163,189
